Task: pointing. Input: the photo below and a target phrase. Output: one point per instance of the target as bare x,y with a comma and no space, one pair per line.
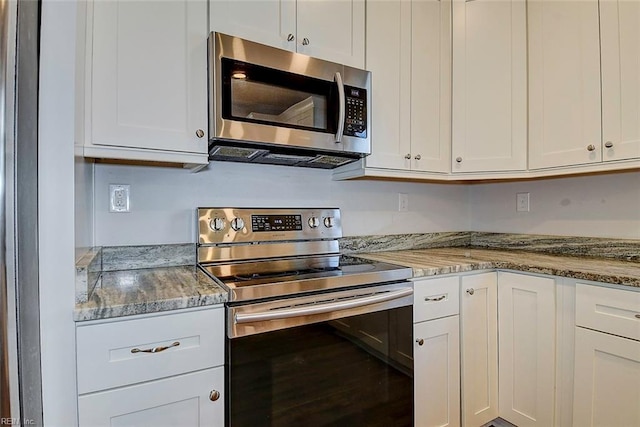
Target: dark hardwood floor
313,376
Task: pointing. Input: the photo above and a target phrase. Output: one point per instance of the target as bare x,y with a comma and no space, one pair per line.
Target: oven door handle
322,308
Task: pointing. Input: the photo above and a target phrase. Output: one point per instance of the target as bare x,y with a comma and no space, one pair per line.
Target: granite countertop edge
166,288
591,273
122,293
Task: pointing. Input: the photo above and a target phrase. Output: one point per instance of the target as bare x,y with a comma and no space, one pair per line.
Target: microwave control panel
355,112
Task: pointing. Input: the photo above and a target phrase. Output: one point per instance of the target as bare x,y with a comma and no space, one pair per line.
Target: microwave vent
222,152
333,161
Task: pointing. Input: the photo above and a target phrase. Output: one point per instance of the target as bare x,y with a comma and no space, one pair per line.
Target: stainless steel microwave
269,105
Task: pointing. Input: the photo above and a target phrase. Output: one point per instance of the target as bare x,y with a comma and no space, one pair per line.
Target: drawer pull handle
155,349
214,395
440,298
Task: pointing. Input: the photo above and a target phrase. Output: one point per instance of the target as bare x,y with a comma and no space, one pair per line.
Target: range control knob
314,222
217,224
329,221
237,224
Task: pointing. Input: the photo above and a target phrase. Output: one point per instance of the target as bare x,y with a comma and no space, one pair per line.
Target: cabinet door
270,22
620,38
479,341
148,79
409,55
389,60
607,380
526,349
430,99
332,30
437,372
564,83
183,400
489,85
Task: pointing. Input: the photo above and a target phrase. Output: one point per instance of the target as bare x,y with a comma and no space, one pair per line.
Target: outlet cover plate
522,202
119,200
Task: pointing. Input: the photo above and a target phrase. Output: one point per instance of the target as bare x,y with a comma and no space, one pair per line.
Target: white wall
83,213
56,212
593,206
163,200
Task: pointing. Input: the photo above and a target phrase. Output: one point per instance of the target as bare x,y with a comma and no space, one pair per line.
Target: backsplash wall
594,206
163,200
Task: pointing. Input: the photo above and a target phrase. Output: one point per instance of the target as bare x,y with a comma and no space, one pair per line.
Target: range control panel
245,225
355,112
262,223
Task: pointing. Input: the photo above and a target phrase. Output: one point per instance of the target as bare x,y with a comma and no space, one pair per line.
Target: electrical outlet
403,202
119,197
522,202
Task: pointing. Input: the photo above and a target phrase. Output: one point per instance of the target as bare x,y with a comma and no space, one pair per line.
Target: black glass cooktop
275,277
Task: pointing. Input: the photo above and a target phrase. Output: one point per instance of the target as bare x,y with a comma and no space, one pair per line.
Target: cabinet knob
214,395
637,316
608,144
591,147
199,133
420,341
305,41
418,157
407,156
459,159
470,291
291,38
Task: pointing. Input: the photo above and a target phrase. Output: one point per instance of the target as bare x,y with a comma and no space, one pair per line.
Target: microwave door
341,107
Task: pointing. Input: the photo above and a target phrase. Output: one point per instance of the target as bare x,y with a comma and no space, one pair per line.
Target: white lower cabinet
479,348
194,399
437,374
526,349
164,369
436,353
607,366
607,380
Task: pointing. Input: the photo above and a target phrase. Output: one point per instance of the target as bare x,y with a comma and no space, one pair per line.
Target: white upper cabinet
489,85
620,39
409,55
146,84
332,30
564,83
271,22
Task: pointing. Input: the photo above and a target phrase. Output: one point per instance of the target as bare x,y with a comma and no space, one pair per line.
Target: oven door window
256,94
355,371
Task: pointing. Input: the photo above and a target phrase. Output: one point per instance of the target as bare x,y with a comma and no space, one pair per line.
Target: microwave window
253,93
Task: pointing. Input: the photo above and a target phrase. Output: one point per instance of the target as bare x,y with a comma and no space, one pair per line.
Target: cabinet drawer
608,310
435,298
183,400
107,355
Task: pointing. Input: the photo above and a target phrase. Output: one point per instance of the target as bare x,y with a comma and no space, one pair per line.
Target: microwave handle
341,106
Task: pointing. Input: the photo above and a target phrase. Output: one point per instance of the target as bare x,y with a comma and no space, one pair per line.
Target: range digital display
276,223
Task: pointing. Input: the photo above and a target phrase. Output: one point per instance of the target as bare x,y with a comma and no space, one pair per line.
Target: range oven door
320,364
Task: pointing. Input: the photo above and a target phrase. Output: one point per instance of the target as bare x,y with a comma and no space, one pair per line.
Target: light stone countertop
431,262
140,291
